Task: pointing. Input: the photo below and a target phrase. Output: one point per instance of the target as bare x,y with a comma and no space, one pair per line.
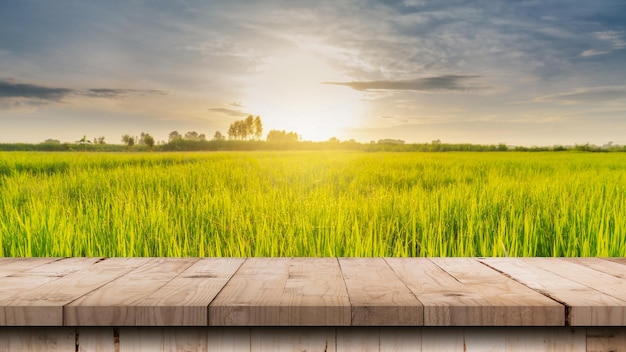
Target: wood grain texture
26,309
115,304
378,296
253,296
600,281
606,339
231,339
20,284
315,294
145,339
522,306
184,300
601,264
443,339
283,339
50,339
95,339
9,266
546,339
361,339
447,301
401,339
587,306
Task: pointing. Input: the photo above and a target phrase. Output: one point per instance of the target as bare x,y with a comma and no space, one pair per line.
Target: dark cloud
229,112
9,89
119,93
17,94
438,84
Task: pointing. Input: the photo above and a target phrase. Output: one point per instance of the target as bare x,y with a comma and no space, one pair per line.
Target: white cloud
593,52
614,38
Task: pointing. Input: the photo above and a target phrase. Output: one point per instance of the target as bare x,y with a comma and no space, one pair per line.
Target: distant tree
258,127
83,142
174,136
202,137
146,139
191,136
128,140
250,127
100,140
333,140
52,141
231,131
282,136
394,141
218,136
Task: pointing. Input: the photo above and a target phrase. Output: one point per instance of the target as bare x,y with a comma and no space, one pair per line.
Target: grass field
312,204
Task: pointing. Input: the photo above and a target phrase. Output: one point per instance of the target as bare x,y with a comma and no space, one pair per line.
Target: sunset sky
519,72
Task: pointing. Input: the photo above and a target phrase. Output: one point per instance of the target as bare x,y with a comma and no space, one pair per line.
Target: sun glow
288,94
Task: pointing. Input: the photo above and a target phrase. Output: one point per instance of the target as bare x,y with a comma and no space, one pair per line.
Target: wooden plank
283,339
447,301
15,285
401,339
184,300
587,306
114,304
617,260
600,281
50,339
143,339
482,339
361,339
231,339
443,339
378,296
546,339
100,339
601,264
606,339
9,266
43,305
315,294
524,307
253,296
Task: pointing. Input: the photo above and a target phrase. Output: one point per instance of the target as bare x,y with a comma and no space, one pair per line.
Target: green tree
258,127
83,142
218,136
174,136
146,139
128,140
191,136
249,126
282,136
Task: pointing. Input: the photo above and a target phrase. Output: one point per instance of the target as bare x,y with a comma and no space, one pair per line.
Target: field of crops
312,204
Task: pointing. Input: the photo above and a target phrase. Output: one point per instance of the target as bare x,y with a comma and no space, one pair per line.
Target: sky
517,72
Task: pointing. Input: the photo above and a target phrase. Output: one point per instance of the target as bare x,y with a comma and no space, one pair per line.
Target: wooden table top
312,291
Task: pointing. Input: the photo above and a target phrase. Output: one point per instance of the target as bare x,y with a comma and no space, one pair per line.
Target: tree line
246,135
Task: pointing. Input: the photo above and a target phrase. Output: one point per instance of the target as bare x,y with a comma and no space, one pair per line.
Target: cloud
28,97
10,89
118,93
593,52
587,95
230,112
609,41
615,39
437,84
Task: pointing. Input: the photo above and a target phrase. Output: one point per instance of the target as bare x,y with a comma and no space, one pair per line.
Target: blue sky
522,73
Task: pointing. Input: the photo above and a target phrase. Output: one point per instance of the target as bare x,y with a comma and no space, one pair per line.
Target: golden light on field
288,94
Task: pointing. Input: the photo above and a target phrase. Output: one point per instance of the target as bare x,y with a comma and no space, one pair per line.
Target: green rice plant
312,204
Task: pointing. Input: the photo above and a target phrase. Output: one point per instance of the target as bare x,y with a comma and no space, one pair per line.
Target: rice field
314,204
